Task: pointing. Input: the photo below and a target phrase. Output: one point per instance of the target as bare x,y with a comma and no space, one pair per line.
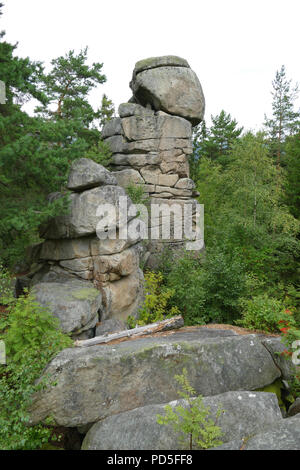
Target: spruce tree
215,142
284,120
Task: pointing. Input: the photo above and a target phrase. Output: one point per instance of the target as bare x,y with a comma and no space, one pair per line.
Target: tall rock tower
151,139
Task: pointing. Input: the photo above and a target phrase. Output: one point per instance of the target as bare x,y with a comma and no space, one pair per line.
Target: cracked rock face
86,279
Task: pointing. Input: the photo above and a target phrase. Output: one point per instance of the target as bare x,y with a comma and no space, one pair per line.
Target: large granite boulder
245,413
168,84
99,381
75,303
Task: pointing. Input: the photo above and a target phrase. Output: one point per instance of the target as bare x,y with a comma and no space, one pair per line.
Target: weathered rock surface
112,325
276,348
75,303
83,219
245,413
163,61
128,177
86,173
284,435
96,382
78,249
174,89
123,297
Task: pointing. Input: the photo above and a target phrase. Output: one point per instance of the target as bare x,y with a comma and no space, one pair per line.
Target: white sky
234,46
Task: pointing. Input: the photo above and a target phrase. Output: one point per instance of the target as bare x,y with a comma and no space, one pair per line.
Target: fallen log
164,325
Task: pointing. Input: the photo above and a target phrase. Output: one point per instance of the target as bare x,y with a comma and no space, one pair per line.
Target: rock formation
113,392
85,279
152,139
143,369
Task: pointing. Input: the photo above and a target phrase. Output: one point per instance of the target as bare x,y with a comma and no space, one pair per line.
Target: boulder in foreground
245,414
96,382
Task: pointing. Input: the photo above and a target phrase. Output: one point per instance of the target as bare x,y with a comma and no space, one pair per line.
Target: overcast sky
234,46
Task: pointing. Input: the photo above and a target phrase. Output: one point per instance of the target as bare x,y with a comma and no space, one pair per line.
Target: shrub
264,313
6,287
209,288
136,193
155,307
32,339
196,430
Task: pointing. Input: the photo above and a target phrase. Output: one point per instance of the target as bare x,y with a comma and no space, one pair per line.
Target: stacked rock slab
151,139
86,279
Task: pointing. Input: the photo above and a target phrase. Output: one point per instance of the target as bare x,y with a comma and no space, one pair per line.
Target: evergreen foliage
36,151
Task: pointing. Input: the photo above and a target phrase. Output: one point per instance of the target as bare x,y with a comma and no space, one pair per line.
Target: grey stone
133,109
117,143
143,373
142,146
52,273
75,303
110,246
123,263
151,174
185,183
123,297
136,160
175,90
157,126
82,219
78,264
173,191
244,413
285,435
276,348
65,249
86,173
154,62
112,325
87,334
173,127
144,127
128,177
112,127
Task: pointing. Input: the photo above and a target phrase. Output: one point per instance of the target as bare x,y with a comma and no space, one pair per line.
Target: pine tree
36,151
285,120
